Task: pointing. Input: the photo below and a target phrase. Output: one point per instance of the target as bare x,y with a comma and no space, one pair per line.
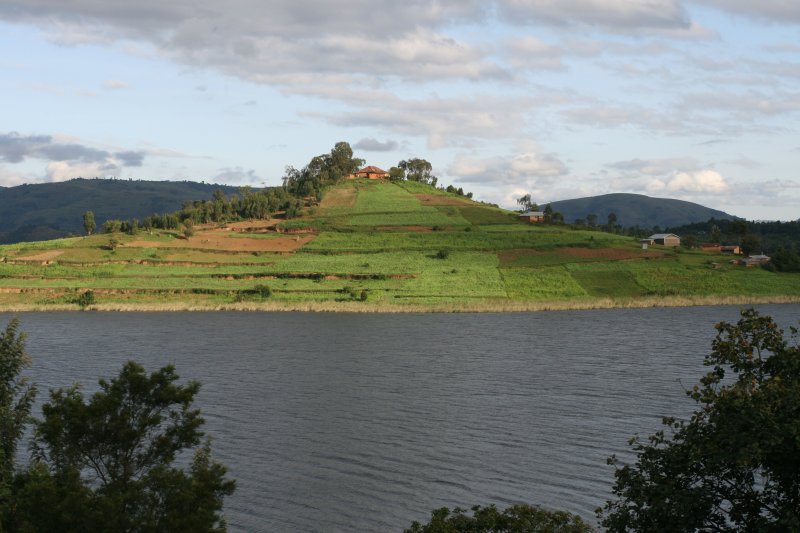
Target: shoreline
361,307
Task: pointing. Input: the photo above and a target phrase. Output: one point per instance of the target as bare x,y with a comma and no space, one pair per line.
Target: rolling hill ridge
638,210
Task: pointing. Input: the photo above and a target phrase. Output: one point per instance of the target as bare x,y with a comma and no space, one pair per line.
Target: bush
515,519
85,299
442,254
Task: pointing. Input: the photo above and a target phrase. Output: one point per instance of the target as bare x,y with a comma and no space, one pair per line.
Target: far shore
495,306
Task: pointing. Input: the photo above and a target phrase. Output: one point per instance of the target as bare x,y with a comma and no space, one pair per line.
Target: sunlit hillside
371,246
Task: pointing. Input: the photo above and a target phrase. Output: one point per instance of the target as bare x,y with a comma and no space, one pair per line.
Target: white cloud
67,170
445,122
523,168
640,14
237,175
115,84
702,181
783,11
374,145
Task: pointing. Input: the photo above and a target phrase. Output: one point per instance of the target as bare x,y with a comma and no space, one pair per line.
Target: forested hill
51,210
637,210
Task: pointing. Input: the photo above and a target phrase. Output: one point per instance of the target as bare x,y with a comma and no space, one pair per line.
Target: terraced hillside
372,246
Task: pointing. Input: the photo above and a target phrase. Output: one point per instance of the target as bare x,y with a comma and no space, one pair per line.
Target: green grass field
377,246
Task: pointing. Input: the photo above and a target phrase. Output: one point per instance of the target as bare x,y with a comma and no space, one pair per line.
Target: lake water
351,422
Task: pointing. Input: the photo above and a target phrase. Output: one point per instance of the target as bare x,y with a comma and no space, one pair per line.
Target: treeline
248,204
779,240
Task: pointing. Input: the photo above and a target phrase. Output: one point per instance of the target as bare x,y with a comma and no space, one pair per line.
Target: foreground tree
735,465
16,399
106,464
515,519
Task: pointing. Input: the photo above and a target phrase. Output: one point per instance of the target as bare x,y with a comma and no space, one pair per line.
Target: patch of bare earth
345,197
221,241
433,200
252,225
44,256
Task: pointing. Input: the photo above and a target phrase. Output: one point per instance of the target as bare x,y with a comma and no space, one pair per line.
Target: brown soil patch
433,200
44,256
220,241
345,197
252,225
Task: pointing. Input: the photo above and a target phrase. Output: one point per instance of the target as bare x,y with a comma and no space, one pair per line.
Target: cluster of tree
753,237
321,171
459,191
551,216
105,463
611,225
733,466
249,204
414,169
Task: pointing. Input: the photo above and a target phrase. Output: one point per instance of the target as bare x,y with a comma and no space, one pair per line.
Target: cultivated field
372,246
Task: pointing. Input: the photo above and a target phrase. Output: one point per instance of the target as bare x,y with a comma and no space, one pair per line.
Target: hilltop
638,210
52,210
374,246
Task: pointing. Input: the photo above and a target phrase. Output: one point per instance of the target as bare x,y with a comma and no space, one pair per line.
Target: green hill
638,210
51,210
375,246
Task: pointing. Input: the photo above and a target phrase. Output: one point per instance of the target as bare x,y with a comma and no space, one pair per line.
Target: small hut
665,239
371,173
532,216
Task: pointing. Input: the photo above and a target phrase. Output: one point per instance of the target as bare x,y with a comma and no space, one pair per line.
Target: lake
365,422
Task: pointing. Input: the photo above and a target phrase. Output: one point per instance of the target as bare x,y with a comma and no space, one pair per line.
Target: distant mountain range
50,210
638,210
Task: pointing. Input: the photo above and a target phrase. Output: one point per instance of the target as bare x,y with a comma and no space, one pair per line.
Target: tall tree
716,234
88,222
16,399
735,465
112,457
526,203
417,169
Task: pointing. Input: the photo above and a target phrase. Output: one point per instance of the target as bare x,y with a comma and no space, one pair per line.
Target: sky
697,100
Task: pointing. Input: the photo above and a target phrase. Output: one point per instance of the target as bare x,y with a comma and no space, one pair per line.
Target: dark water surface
345,422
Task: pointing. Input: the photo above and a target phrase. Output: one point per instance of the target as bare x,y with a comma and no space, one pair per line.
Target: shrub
442,254
85,299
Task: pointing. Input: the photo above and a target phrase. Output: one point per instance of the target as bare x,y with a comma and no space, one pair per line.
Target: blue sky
697,100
